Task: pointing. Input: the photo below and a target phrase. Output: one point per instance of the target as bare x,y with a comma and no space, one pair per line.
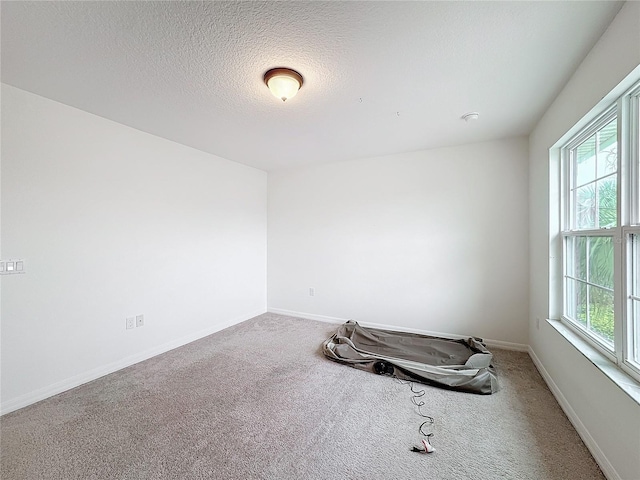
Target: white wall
606,417
432,240
114,222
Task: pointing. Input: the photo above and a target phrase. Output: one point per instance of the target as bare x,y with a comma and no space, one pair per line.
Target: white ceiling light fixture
284,83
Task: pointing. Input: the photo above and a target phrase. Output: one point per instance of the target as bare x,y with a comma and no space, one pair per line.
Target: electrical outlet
312,292
537,323
139,320
130,323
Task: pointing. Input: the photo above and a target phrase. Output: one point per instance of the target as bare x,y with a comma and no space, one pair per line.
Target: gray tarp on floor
454,364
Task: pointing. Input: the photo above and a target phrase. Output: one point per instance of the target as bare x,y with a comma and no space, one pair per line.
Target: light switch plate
12,266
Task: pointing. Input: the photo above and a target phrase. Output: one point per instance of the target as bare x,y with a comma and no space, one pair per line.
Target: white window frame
630,149
625,109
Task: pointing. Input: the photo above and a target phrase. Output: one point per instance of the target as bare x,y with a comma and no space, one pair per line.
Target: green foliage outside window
596,207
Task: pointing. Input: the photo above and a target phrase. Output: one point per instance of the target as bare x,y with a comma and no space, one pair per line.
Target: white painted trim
627,383
597,453
381,326
85,377
516,347
308,316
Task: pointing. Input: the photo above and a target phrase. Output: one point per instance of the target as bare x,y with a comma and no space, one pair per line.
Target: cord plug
426,447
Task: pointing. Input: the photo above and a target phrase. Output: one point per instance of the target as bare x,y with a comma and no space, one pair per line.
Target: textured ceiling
380,77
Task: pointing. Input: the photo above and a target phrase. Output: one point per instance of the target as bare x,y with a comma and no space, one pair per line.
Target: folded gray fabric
463,365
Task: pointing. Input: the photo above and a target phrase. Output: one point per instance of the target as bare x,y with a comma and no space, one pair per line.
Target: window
601,232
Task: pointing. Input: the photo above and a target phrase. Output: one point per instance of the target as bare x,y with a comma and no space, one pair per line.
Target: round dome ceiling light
284,83
467,117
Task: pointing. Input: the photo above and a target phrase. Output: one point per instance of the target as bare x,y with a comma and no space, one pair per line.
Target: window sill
628,385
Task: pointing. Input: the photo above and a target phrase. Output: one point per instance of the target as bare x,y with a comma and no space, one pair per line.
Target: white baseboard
85,377
322,318
517,347
597,453
308,316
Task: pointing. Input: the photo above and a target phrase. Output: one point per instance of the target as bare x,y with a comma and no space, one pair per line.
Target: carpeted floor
259,401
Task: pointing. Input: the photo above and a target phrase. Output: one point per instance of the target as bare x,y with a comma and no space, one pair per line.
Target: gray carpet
259,401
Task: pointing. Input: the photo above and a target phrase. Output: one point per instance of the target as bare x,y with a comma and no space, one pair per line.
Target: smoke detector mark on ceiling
467,117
